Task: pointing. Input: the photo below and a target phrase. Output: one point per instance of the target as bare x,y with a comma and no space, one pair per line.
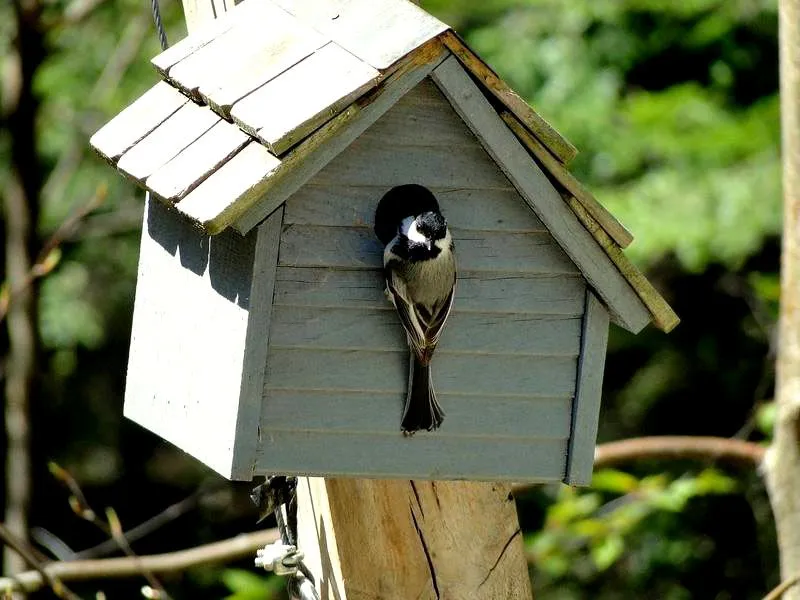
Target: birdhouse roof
254,104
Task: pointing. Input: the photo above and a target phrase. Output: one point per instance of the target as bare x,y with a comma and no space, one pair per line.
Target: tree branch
59,589
228,550
714,449
782,587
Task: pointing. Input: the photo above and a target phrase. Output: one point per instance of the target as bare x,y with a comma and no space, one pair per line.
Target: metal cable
162,34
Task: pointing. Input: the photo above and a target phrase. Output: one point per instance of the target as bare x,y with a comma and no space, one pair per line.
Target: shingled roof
257,102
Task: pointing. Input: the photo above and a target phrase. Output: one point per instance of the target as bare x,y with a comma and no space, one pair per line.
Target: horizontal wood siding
482,292
423,456
353,247
466,332
357,370
337,367
346,205
298,410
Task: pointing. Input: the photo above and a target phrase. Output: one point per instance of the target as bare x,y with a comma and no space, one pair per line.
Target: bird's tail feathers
422,411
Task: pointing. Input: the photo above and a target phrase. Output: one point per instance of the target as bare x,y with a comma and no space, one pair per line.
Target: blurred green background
674,107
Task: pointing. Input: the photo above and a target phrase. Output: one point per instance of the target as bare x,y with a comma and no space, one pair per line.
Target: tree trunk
782,462
20,201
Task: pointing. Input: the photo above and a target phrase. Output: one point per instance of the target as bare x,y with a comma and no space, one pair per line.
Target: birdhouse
262,339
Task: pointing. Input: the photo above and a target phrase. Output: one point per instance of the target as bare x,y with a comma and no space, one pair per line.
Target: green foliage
246,585
586,533
676,120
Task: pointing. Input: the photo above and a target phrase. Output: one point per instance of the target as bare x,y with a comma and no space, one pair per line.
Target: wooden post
398,539
782,463
404,539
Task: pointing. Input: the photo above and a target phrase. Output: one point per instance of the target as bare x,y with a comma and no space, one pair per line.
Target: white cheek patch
444,243
409,228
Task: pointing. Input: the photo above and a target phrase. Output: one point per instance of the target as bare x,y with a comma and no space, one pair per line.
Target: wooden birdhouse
262,340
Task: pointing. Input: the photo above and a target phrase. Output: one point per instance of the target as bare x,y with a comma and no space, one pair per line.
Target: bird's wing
438,319
423,327
416,330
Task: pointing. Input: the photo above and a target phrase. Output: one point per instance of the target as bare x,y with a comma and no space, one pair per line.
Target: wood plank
198,160
379,161
281,117
475,416
379,32
166,141
470,374
586,408
482,292
357,247
256,344
423,117
184,378
607,221
488,210
206,20
662,314
537,190
380,330
288,44
545,132
211,62
141,117
229,183
424,456
306,159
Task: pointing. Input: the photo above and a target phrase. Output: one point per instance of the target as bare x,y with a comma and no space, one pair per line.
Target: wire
162,34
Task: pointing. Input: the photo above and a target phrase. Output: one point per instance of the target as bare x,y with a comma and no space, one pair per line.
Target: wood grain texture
423,456
288,42
422,118
184,379
437,540
140,118
166,141
213,62
205,21
179,176
362,370
230,182
379,32
284,111
607,221
482,292
380,330
662,314
265,261
200,13
496,417
376,161
465,208
357,247
317,150
537,190
586,408
557,144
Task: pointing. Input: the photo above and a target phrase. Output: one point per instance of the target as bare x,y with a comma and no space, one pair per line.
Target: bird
419,267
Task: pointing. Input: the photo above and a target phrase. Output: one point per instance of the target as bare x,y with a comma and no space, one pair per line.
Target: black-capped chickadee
420,270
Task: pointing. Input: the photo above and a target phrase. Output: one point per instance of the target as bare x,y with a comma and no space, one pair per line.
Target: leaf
247,585
617,482
606,552
766,415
